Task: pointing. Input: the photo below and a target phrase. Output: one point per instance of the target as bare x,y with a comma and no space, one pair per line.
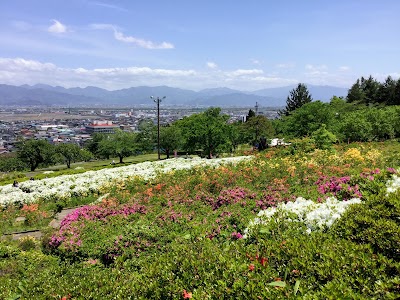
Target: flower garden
279,224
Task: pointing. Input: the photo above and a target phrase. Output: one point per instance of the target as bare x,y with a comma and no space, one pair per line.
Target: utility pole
257,129
158,100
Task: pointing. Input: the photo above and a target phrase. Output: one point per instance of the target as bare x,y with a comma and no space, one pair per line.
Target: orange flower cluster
30,207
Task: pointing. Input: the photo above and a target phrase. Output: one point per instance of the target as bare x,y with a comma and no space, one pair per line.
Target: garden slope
179,235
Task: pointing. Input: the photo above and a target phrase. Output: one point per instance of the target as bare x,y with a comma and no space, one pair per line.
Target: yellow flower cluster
353,155
373,156
273,165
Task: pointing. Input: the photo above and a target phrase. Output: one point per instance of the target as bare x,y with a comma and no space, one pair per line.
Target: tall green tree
381,122
356,127
307,119
396,99
258,127
36,152
237,134
355,93
93,144
147,135
70,152
121,144
296,99
170,138
387,91
207,131
370,89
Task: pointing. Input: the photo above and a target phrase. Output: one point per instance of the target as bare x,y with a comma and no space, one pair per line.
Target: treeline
347,121
371,92
370,112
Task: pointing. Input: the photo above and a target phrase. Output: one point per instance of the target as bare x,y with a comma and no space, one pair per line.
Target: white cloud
242,72
119,36
18,71
140,42
57,27
255,61
212,65
20,64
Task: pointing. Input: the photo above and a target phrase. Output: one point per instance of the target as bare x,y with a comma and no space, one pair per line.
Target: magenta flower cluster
273,195
236,235
339,187
72,224
370,175
230,196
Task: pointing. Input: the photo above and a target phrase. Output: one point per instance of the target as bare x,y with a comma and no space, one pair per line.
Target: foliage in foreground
179,236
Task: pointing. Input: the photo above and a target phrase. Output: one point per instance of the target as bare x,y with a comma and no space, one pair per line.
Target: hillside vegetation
238,230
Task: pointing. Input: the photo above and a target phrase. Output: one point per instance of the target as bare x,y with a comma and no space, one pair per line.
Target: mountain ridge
47,95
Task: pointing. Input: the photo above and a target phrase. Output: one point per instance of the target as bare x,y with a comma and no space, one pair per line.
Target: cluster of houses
55,134
78,131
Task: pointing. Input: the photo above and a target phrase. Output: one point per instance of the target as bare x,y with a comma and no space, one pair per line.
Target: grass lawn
77,167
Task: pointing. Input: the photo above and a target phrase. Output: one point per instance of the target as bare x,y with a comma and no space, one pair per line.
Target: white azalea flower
393,185
64,186
316,216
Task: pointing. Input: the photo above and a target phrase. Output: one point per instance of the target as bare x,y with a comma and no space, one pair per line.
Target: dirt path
55,223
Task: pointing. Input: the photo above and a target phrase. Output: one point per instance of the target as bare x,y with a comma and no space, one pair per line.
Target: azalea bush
66,186
313,224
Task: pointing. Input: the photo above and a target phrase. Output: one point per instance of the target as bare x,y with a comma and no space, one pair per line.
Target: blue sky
244,45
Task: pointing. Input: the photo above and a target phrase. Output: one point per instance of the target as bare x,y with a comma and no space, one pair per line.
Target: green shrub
8,250
375,222
303,145
323,138
27,243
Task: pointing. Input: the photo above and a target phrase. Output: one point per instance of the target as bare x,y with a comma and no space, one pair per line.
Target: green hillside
239,229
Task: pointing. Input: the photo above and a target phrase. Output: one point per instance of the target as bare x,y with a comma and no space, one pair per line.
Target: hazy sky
245,45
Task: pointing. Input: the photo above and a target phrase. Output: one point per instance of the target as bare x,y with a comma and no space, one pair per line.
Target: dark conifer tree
297,98
386,91
355,93
396,99
370,89
250,115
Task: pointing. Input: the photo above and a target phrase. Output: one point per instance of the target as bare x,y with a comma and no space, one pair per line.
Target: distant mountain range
46,95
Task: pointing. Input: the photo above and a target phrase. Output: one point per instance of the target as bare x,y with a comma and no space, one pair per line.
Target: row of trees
34,153
370,91
347,121
369,113
208,132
